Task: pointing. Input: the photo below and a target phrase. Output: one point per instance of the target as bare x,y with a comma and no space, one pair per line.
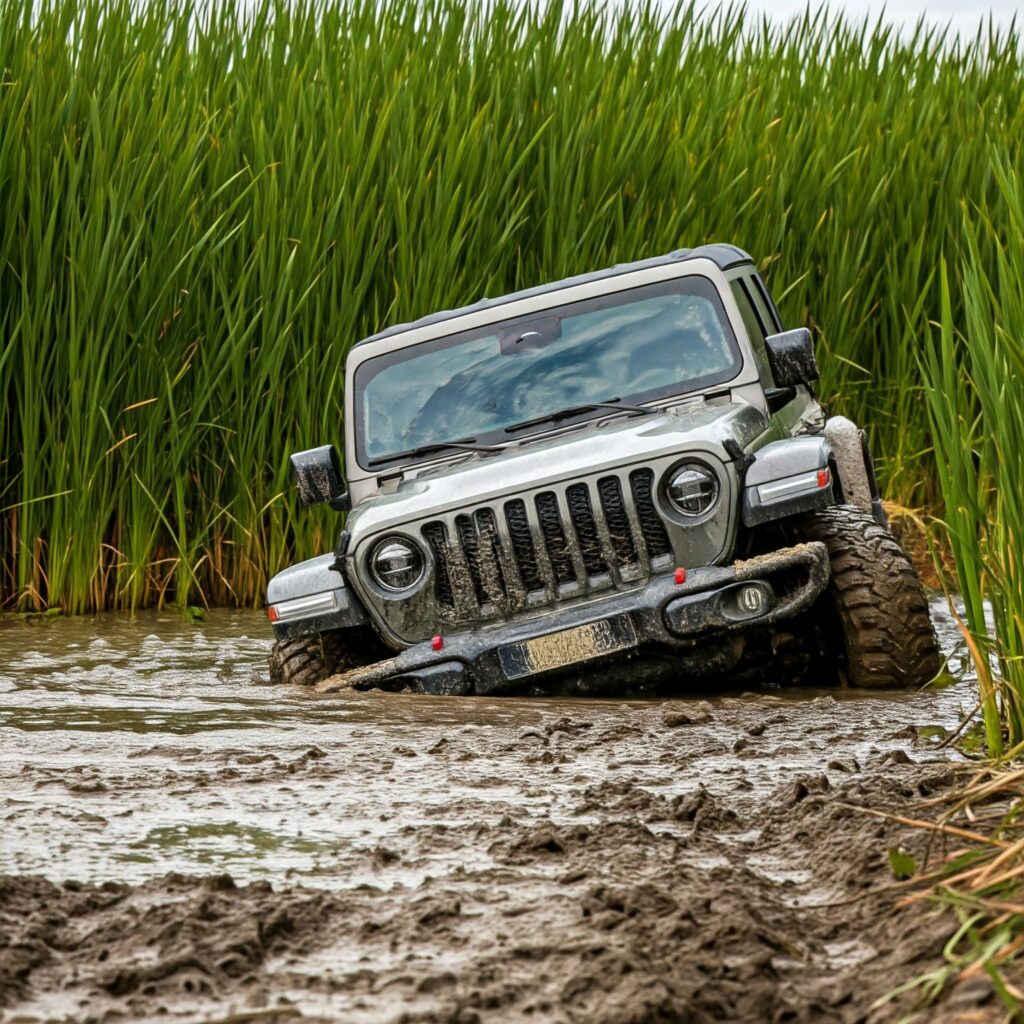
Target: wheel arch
312,597
785,479
855,466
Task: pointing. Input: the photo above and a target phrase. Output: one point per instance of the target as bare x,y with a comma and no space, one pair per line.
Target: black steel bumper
699,625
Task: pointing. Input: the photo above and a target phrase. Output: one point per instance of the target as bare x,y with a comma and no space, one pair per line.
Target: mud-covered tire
307,660
874,602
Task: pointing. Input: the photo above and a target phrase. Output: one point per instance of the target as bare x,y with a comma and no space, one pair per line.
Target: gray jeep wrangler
612,484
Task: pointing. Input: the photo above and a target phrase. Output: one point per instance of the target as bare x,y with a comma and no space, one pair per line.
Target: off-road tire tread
877,598
307,660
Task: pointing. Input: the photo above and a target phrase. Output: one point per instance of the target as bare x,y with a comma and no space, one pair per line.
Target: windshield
638,345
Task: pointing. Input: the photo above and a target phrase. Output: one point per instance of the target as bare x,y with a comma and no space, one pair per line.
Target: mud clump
691,714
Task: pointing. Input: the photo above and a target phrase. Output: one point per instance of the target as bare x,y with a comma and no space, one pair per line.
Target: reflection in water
129,748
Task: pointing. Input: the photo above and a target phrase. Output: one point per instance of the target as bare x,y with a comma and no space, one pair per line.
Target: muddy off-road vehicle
614,483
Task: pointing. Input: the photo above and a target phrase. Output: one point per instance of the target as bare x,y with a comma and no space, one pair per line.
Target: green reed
975,372
200,211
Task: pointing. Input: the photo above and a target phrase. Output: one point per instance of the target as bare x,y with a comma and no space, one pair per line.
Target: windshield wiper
468,444
563,414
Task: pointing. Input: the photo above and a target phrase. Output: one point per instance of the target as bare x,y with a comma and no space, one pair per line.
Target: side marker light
437,642
680,575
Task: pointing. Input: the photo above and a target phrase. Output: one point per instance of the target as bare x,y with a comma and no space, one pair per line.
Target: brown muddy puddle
129,749
463,859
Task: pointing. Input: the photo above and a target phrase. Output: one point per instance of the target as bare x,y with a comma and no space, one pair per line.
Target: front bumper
698,623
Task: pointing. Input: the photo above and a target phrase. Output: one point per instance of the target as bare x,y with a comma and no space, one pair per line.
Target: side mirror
318,478
791,357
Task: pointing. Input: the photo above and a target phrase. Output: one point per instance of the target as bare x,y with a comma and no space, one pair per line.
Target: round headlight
692,489
396,564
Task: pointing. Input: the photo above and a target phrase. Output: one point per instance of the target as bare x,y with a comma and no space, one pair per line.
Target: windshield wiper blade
468,444
574,410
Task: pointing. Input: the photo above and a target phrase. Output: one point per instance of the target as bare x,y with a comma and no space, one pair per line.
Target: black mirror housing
318,478
791,357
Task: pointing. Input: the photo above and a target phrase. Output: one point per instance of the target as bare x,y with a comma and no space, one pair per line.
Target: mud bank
395,858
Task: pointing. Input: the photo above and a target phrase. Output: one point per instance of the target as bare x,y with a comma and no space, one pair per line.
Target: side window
768,303
755,329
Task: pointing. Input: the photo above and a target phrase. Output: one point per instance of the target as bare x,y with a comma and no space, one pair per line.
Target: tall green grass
975,372
200,211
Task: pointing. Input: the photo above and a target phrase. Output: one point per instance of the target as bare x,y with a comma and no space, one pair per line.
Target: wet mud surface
181,843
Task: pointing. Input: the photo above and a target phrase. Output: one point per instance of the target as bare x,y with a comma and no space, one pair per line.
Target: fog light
747,601
752,600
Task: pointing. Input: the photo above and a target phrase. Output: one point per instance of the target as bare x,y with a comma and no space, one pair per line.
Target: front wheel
309,659
874,609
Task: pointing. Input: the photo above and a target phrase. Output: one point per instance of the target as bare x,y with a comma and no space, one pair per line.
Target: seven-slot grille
553,544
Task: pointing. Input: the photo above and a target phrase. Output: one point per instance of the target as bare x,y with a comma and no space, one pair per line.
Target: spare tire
874,614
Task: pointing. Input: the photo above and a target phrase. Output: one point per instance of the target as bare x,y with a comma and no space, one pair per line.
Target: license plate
567,647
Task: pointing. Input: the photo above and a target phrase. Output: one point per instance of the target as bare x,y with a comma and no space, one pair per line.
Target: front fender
788,477
312,597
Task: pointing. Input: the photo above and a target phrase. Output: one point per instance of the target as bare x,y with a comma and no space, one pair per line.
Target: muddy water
129,749
503,858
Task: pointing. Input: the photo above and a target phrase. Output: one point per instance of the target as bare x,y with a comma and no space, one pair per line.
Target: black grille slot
522,544
471,546
655,535
436,538
488,555
618,522
583,522
554,537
